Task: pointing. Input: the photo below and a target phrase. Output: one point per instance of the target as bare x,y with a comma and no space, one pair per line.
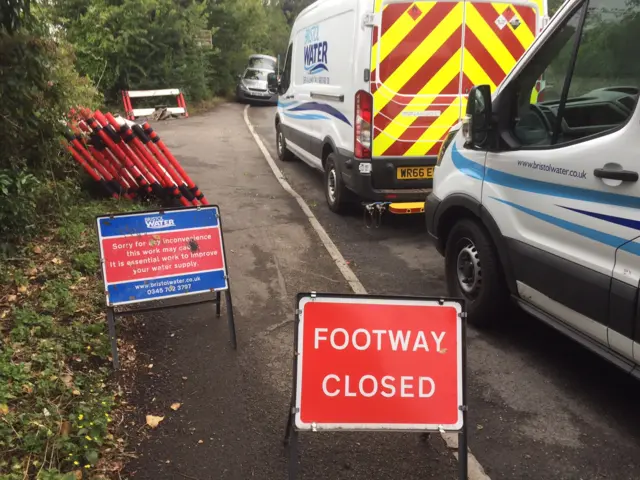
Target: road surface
541,406
234,405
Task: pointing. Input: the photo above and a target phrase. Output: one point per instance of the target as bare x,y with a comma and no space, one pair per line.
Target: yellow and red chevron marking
416,77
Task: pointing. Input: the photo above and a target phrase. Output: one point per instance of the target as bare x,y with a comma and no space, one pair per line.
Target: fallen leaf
154,421
4,408
78,474
200,441
184,378
27,389
32,271
65,429
56,261
37,250
22,289
76,392
12,298
150,365
479,427
175,406
67,380
4,314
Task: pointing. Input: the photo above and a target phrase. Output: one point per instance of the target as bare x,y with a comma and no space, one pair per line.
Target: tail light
362,127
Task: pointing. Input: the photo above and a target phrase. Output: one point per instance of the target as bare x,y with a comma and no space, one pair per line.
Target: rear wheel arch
328,147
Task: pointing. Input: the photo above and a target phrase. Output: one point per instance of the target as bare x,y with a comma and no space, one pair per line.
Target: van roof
259,55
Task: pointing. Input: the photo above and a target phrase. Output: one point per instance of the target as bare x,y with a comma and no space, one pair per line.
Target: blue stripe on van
321,107
285,104
305,116
479,172
625,222
601,237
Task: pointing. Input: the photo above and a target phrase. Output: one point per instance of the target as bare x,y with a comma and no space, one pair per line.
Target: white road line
476,472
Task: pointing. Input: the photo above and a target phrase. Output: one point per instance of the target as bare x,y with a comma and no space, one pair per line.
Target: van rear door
426,56
496,35
415,76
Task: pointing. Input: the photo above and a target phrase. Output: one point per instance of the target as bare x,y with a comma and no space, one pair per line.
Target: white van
539,200
370,88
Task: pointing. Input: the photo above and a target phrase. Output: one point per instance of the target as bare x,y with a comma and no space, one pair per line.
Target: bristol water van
537,199
370,88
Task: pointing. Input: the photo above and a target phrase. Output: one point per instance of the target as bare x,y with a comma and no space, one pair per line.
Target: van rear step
407,208
373,211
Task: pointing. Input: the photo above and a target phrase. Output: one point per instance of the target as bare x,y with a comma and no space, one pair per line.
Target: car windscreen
252,74
262,63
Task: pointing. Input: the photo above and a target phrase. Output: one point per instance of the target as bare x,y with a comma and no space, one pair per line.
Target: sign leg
232,325
293,455
463,457
111,322
218,300
287,432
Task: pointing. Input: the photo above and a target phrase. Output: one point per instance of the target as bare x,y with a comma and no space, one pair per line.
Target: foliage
244,27
38,86
12,14
138,44
55,402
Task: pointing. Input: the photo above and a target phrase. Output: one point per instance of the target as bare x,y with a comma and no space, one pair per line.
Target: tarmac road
541,406
234,405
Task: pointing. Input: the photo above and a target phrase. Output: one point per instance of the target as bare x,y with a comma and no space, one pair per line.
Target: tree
241,28
292,8
137,44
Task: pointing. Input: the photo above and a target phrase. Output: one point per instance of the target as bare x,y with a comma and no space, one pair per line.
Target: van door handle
624,175
289,97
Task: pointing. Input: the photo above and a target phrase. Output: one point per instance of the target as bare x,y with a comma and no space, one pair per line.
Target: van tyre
284,155
474,273
337,194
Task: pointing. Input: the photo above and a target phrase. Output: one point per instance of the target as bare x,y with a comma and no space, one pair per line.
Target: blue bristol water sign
315,56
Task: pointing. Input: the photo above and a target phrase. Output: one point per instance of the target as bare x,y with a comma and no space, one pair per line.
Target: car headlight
243,87
445,144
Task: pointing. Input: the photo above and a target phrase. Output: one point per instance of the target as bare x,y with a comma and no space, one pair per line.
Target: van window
262,63
592,85
252,74
285,82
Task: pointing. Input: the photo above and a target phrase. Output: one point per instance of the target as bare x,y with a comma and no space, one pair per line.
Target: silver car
253,87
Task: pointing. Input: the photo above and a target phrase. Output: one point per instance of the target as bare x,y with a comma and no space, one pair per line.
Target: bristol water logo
315,52
159,222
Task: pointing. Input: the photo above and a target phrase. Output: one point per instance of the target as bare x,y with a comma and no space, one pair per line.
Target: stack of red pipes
127,159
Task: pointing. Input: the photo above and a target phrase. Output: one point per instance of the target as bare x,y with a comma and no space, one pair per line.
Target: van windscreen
264,63
253,74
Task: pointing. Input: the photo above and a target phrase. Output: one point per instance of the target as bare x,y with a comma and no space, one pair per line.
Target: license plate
414,173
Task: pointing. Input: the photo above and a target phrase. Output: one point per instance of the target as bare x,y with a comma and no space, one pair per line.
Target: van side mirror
477,123
272,81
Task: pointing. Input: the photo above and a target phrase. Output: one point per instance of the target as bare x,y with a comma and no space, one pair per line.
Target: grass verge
58,407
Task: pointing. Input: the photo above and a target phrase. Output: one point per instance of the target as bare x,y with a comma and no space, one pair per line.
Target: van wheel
473,272
335,191
284,155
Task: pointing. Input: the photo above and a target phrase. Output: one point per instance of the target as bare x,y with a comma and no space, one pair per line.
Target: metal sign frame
134,234
296,425
112,313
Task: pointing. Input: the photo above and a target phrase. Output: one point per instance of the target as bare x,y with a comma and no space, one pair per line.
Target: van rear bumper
362,184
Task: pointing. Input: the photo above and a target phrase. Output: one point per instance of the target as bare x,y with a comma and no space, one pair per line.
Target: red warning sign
370,363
